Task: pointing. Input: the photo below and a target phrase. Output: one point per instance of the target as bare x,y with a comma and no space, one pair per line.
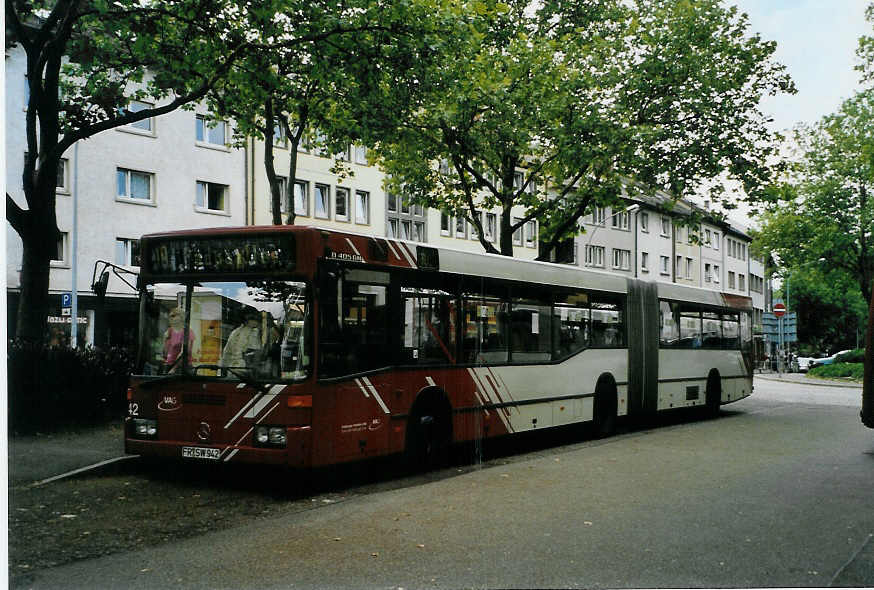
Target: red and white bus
308,347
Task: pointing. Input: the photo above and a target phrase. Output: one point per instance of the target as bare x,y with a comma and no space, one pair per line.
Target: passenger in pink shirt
173,341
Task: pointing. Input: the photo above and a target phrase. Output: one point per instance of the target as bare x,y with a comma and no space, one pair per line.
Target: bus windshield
233,330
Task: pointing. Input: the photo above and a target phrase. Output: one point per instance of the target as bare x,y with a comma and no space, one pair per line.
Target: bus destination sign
195,255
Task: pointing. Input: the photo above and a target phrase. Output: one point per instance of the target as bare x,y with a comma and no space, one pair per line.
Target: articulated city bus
307,347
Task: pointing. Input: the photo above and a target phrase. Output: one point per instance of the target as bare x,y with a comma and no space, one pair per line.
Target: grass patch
848,371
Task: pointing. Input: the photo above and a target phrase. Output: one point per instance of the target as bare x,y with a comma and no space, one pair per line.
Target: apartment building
175,171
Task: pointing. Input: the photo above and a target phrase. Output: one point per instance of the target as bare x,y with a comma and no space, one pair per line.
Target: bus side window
428,327
485,329
608,322
570,324
669,322
690,327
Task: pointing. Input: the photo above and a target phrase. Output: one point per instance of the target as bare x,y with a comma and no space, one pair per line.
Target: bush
854,356
52,388
852,371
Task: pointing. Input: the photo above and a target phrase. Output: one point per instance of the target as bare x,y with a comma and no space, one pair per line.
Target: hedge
56,388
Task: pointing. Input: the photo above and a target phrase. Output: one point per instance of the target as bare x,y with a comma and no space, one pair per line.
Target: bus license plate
201,453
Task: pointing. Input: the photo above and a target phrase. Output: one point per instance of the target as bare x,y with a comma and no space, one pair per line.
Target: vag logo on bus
169,403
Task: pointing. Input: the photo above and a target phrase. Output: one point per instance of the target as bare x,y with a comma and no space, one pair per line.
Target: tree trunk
506,231
272,180
33,302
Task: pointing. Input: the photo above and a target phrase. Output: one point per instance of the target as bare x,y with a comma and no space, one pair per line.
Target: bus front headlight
145,428
270,436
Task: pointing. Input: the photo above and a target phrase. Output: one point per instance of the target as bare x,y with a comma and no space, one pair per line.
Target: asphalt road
778,491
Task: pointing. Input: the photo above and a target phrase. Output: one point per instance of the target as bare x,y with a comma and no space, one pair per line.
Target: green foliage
848,371
854,356
56,388
825,216
582,97
829,305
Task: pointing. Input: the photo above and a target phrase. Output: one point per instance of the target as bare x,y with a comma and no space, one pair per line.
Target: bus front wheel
604,411
713,396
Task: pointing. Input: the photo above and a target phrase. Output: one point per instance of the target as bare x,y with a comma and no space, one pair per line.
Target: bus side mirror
99,287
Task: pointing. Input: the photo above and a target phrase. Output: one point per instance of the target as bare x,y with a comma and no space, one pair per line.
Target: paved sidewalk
34,458
803,378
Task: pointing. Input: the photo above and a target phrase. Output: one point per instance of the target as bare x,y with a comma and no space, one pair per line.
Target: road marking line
83,469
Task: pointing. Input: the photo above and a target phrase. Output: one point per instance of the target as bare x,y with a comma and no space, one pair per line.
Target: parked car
802,363
826,360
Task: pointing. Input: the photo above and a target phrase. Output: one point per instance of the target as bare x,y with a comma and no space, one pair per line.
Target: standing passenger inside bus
244,344
173,341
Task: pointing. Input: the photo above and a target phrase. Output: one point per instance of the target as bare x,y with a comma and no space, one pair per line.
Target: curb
822,383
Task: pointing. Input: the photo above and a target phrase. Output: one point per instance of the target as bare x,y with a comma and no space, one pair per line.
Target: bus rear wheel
429,438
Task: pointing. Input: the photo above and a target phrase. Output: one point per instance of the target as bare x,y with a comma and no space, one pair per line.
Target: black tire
429,437
713,396
604,411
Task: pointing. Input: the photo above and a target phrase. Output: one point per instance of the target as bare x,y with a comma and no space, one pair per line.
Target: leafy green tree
86,61
300,91
579,98
825,209
830,309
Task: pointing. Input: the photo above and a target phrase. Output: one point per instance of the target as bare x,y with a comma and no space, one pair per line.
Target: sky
816,41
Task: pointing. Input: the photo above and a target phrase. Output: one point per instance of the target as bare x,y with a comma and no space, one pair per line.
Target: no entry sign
779,310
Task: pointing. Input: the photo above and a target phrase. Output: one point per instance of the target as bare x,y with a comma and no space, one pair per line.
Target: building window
730,280
517,235
135,106
419,231
707,238
491,226
341,204
599,216
134,185
63,176
392,228
360,154
445,223
61,255
620,220
595,256
362,207
210,132
644,222
322,202
715,241
678,269
741,282
706,272
405,205
531,234
664,265
716,273
405,230
644,261
391,202
621,259
666,227
127,252
280,140
301,197
418,210
460,227
690,273
743,251
212,196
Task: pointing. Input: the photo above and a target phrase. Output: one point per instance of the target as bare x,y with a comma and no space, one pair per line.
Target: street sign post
67,299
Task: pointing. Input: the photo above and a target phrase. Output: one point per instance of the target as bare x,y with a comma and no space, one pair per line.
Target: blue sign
67,299
771,325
